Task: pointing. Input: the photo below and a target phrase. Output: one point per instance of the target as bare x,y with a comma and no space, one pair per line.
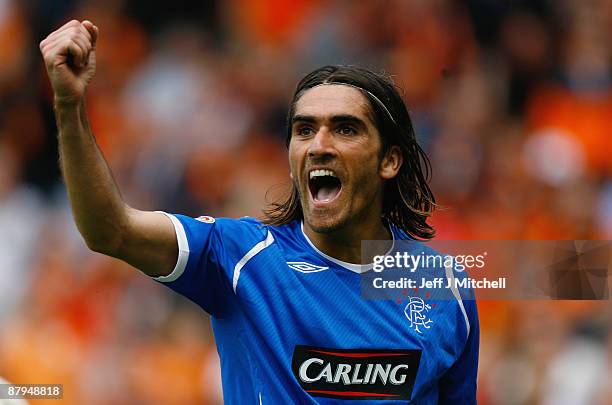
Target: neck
345,244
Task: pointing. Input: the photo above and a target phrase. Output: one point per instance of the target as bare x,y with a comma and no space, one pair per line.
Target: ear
391,163
291,175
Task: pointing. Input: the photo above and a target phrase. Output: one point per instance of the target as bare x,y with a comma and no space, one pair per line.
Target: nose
322,144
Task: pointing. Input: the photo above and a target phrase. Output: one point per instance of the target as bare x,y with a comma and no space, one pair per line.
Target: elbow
105,237
108,246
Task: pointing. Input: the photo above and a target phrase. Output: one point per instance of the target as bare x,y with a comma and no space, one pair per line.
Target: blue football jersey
292,326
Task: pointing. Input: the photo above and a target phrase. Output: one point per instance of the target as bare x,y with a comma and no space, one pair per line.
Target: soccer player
284,293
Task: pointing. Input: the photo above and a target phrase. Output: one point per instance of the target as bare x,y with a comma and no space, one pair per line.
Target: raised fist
70,59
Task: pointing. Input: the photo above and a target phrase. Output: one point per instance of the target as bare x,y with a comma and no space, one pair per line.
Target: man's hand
70,59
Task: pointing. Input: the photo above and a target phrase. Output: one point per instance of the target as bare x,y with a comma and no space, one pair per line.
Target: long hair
407,198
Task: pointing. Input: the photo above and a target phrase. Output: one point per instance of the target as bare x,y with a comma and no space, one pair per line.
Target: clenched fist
70,59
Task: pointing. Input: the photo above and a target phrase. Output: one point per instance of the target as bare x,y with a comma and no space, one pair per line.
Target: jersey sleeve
458,385
208,251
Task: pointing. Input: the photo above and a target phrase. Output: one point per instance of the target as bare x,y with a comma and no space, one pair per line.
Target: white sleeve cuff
183,251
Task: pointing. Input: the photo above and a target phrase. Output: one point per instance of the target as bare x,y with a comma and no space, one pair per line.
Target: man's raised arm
145,240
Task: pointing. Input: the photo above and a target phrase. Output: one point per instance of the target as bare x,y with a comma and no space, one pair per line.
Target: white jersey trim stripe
183,251
250,254
455,291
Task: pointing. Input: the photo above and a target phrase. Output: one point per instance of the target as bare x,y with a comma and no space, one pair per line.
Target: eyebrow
334,119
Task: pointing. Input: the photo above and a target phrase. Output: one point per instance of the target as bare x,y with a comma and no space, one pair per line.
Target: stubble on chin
326,226
329,224
324,229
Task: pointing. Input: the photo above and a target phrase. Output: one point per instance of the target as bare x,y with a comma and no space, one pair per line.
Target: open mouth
324,185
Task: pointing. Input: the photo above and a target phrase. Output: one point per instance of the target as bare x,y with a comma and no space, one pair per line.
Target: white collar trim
356,268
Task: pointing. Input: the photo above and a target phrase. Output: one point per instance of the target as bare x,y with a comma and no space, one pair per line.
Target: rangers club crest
416,312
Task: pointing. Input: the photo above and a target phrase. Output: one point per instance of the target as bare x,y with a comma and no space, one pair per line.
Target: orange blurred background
512,100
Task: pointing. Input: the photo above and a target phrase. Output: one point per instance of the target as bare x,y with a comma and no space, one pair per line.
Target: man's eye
304,131
347,130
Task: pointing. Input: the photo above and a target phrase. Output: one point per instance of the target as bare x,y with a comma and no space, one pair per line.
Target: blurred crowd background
511,99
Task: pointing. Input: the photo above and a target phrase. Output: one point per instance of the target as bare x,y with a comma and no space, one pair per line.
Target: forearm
143,239
99,211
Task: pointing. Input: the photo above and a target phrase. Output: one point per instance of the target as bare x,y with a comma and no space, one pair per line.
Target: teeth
321,172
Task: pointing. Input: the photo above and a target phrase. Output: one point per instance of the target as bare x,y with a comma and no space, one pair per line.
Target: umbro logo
304,267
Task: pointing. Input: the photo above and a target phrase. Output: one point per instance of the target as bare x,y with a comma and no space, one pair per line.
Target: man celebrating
284,293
